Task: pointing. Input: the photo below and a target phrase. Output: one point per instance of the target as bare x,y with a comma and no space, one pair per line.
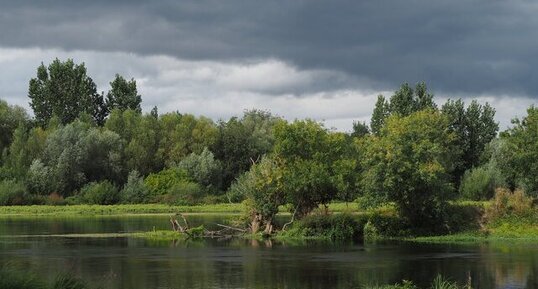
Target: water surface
121,262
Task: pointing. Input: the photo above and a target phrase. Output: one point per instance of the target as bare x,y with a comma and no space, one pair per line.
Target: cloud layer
324,59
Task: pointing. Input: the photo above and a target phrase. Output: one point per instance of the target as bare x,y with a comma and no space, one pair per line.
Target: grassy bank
141,209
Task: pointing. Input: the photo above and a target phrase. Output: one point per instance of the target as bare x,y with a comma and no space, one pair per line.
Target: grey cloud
458,47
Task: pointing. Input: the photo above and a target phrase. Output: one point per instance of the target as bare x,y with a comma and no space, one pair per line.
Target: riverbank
142,209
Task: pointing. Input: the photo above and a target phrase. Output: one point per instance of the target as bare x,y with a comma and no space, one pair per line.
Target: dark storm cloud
458,46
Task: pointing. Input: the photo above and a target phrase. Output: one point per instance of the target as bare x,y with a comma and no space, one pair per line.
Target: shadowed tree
65,90
123,95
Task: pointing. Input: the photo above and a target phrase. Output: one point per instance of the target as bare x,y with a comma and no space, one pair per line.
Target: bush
159,184
480,183
184,193
14,193
100,193
240,189
39,179
509,204
134,191
339,227
202,168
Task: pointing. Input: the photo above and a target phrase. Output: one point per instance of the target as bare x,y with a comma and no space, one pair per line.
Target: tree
183,135
242,142
134,191
403,102
306,151
142,135
474,128
11,117
63,89
77,154
522,142
381,112
360,129
123,95
203,168
410,164
263,184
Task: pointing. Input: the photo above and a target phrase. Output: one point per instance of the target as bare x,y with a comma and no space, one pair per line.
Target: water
121,262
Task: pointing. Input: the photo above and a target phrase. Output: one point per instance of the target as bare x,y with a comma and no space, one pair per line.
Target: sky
325,60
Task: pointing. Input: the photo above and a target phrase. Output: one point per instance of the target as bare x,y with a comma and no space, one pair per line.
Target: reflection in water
237,263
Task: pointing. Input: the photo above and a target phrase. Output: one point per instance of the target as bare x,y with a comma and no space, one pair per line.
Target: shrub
100,193
14,193
160,183
40,179
134,191
183,193
339,227
202,168
240,189
509,204
480,183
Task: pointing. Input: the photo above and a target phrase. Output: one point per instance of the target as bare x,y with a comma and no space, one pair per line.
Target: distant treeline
82,146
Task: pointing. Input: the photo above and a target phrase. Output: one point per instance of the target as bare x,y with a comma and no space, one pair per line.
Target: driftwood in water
225,232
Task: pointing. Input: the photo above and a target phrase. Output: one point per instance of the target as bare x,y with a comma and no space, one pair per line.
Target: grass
438,283
506,229
140,209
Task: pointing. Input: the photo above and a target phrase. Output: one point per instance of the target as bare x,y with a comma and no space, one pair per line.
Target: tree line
82,146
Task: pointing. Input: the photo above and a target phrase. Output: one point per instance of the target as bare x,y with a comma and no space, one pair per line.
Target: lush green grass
506,229
43,210
141,209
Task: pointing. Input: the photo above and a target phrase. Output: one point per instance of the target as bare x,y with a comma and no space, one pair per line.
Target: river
53,245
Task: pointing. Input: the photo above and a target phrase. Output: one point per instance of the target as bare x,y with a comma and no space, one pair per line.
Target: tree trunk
268,227
255,223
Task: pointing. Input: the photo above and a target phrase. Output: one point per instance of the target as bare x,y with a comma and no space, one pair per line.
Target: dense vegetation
85,147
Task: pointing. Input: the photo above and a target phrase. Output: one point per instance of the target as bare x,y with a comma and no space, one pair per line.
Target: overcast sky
326,60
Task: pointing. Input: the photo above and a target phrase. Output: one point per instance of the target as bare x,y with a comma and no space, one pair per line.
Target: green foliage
241,188
202,168
123,95
134,191
142,135
77,154
522,142
360,129
40,179
509,204
381,112
474,127
183,135
337,227
11,117
14,193
307,152
63,89
480,183
100,193
266,193
241,142
183,193
160,183
410,164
